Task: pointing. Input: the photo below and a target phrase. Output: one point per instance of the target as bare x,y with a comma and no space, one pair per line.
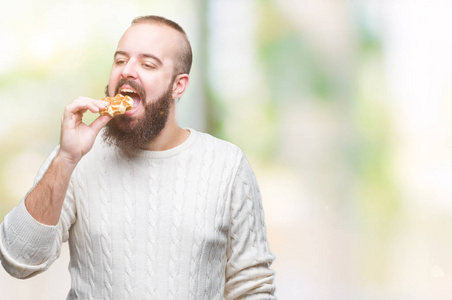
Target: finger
93,107
101,103
82,104
96,105
78,105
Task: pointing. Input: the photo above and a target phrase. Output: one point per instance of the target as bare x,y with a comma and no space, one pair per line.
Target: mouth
132,93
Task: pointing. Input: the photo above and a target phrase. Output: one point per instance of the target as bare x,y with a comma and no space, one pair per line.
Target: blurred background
343,108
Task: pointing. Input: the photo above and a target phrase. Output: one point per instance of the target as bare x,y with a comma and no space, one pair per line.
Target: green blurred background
342,107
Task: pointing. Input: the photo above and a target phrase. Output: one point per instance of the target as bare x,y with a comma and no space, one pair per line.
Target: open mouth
126,91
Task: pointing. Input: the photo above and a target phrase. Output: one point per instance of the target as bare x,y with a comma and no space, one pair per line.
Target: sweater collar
166,153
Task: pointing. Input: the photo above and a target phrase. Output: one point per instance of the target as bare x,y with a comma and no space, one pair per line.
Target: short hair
183,65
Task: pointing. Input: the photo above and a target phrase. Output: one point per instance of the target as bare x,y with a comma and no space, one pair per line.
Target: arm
45,201
28,247
248,273
32,233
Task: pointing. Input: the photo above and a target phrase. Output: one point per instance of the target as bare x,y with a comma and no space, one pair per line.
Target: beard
131,134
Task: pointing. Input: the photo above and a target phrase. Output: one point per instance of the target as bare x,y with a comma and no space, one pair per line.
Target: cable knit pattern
106,234
183,165
152,231
215,254
86,238
186,223
243,247
200,216
129,234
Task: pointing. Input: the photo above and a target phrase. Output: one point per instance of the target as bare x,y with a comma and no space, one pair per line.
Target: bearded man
150,210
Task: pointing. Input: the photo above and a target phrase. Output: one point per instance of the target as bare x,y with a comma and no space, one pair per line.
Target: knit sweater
186,223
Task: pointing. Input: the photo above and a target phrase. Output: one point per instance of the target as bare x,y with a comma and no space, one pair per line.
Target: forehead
158,40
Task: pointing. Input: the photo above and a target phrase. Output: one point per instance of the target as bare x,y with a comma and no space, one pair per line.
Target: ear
180,84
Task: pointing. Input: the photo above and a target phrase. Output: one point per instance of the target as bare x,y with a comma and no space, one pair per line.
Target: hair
183,64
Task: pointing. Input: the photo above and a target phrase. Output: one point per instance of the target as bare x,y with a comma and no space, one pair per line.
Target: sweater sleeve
248,273
28,247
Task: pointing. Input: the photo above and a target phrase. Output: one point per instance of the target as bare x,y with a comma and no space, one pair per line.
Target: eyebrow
141,55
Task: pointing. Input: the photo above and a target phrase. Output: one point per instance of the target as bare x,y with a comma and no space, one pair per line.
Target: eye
148,66
120,62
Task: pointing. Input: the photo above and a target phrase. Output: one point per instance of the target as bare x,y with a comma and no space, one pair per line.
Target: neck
171,136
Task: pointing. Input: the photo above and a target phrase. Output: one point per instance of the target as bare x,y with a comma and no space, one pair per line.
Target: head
151,64
184,58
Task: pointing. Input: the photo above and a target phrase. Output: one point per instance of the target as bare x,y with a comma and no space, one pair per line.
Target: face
143,64
143,69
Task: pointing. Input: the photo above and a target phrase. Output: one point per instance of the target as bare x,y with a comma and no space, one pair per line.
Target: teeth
127,91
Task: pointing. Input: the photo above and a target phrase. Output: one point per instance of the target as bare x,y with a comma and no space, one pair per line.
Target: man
150,210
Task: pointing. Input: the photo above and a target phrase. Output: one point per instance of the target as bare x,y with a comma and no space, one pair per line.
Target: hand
77,138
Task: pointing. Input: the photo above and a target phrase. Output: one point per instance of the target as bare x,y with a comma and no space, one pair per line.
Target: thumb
100,122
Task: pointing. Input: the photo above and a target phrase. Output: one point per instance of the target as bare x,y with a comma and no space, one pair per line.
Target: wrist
65,162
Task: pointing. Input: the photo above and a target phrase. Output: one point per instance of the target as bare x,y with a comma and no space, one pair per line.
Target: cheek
112,82
111,88
157,86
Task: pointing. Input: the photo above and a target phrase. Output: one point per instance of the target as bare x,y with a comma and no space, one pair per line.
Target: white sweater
186,223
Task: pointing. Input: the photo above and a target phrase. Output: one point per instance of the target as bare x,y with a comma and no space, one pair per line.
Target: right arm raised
45,201
32,233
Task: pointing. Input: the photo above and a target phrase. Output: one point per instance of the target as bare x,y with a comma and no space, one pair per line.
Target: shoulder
218,145
223,154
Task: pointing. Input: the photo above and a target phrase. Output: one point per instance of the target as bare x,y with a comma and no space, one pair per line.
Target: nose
129,70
